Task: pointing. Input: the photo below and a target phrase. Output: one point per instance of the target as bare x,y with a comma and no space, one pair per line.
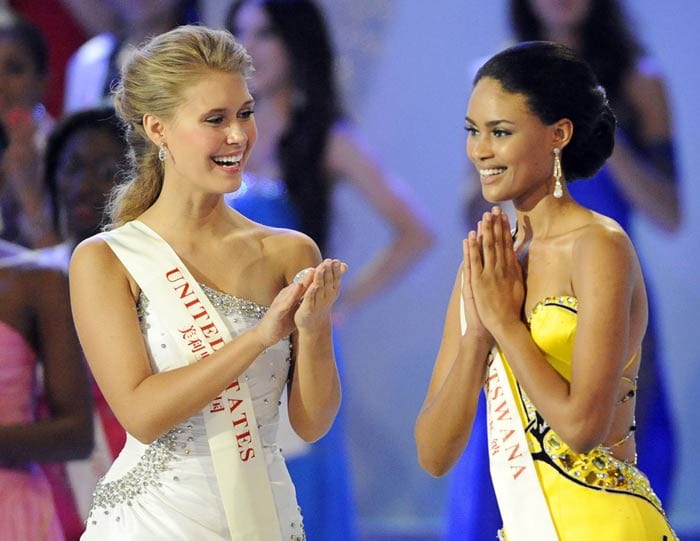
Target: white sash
235,444
522,504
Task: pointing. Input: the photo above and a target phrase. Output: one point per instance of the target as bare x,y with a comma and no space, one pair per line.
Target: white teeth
228,160
489,172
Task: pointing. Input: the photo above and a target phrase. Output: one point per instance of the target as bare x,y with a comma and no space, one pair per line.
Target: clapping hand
278,321
306,303
322,285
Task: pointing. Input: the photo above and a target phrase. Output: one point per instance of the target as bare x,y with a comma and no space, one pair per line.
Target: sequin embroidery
155,460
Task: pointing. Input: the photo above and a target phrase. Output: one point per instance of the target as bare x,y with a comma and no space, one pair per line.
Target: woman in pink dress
39,354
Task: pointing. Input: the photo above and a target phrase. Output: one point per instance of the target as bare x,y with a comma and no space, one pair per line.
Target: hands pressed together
493,288
305,304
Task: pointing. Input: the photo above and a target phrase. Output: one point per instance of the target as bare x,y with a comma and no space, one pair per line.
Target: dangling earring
162,153
558,190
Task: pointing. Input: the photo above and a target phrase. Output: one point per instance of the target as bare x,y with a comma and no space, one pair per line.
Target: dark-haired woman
549,320
83,154
640,176
37,337
304,145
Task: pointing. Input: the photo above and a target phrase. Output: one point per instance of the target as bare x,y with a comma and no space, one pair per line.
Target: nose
236,135
479,148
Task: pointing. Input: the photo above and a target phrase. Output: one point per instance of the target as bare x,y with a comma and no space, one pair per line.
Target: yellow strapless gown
591,496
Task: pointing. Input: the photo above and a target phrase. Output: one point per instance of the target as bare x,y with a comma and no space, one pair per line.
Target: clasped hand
493,289
305,304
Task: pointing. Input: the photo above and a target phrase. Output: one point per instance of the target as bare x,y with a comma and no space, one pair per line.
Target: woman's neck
548,218
186,215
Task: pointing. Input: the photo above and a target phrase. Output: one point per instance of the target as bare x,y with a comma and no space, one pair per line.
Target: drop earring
558,190
162,153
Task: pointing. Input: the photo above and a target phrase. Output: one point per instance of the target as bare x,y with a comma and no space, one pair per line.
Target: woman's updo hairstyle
153,80
557,84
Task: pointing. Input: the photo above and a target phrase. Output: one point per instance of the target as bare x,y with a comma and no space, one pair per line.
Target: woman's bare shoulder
290,245
603,243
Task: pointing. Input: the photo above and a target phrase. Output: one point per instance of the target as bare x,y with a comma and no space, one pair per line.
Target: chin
491,196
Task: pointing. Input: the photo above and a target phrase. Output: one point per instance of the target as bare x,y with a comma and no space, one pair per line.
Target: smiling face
253,28
509,145
211,134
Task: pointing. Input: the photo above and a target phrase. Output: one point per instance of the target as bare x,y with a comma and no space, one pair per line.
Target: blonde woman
194,318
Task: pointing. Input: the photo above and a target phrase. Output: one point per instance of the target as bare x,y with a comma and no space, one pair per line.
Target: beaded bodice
266,377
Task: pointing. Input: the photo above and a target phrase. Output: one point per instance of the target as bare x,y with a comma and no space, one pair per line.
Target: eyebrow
218,110
490,123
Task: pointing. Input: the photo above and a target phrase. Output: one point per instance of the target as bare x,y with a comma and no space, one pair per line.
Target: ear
154,128
562,132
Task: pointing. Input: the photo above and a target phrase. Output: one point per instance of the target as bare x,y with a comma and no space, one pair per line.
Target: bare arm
446,417
314,396
147,404
351,161
604,273
67,432
650,186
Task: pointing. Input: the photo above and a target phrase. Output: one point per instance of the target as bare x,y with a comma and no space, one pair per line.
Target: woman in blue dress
305,144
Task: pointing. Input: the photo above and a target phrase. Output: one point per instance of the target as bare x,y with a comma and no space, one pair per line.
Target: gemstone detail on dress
229,305
223,302
565,301
154,461
145,473
600,469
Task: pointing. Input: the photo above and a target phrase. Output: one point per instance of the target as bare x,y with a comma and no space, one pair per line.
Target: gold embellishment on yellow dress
599,469
566,301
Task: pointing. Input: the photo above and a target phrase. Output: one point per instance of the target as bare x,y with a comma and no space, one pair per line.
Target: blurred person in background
84,154
306,145
40,361
94,68
24,216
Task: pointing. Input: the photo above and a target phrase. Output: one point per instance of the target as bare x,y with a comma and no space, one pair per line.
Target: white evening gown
167,490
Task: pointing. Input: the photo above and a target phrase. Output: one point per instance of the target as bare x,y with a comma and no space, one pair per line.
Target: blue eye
248,113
